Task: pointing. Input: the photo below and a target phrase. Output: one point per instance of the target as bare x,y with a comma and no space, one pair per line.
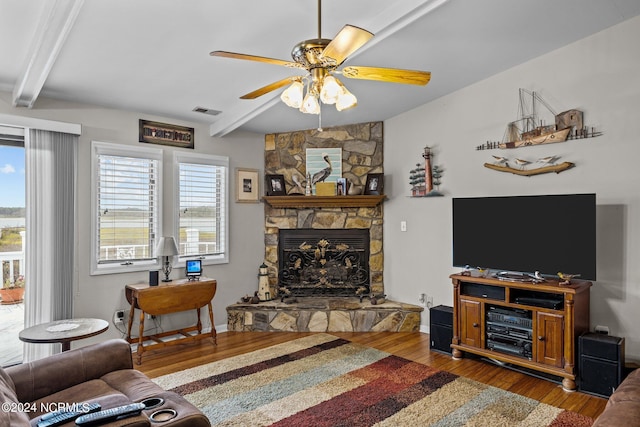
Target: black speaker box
153,278
482,291
441,328
601,367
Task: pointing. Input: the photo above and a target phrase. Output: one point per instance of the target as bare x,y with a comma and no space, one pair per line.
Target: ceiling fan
321,59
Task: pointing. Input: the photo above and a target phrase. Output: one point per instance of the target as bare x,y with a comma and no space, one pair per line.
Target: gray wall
100,296
598,75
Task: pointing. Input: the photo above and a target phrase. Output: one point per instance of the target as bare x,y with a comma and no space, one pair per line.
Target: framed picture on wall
165,134
247,185
375,184
275,185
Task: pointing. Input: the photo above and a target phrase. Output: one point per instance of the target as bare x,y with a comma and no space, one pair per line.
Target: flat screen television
525,234
193,268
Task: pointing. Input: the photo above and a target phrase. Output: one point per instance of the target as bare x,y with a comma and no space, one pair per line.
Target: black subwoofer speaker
441,328
601,367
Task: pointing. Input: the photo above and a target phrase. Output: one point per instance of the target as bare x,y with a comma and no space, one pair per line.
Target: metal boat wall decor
528,129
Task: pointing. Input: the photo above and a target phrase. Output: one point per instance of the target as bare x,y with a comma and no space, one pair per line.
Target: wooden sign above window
166,134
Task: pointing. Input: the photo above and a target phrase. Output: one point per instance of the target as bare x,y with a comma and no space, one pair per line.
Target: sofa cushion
8,395
40,378
133,384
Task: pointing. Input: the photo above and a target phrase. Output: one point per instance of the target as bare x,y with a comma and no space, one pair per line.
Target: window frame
112,149
203,159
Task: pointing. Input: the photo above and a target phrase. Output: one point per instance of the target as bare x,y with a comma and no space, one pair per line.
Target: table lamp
166,248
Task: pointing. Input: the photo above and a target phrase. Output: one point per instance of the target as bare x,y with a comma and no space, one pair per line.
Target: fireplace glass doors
324,262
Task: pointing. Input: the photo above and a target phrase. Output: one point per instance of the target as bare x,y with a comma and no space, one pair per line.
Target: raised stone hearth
324,315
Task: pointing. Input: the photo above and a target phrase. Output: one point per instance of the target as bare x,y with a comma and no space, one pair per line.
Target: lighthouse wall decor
425,178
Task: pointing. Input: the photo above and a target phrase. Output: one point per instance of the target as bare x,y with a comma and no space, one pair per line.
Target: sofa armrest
43,377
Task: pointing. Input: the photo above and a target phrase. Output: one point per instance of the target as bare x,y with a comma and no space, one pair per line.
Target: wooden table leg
214,334
130,325
140,349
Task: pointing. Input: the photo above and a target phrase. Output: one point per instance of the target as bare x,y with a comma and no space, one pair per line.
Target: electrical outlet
118,317
422,299
403,225
429,301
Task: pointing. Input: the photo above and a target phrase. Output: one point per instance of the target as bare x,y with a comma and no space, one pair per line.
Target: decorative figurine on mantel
424,178
264,292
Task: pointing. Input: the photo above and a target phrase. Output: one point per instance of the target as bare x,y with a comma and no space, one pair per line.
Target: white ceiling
152,56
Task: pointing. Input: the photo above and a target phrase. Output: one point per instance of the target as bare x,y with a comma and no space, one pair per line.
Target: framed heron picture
324,164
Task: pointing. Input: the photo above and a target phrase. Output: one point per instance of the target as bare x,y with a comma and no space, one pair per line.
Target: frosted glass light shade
292,96
310,104
331,89
346,100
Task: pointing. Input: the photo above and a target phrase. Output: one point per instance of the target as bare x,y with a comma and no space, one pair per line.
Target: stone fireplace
324,256
285,153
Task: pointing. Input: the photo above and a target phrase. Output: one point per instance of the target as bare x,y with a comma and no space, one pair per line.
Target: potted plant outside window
12,293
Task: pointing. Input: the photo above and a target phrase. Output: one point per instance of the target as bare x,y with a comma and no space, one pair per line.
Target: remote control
110,414
57,418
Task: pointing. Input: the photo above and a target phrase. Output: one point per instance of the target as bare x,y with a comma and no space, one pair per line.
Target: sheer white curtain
50,160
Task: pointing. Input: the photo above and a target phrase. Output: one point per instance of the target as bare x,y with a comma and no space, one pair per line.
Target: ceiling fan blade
347,41
268,88
394,75
234,55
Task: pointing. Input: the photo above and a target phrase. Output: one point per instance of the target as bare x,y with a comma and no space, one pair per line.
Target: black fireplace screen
319,262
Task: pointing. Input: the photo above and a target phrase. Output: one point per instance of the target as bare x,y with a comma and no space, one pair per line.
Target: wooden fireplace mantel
301,202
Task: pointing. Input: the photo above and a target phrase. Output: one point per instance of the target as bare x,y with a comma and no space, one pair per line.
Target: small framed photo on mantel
247,185
275,185
375,184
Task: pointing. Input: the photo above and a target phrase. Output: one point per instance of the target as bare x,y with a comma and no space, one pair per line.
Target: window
202,207
127,186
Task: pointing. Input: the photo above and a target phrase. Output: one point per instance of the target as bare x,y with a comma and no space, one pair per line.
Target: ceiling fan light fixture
346,100
331,90
292,96
310,105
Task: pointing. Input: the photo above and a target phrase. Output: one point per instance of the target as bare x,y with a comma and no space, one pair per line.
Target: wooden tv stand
533,325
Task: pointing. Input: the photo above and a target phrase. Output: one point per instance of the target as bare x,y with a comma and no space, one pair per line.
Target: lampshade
310,104
331,89
292,96
346,100
166,247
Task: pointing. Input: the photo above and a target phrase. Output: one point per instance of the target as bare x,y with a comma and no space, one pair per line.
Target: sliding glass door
12,248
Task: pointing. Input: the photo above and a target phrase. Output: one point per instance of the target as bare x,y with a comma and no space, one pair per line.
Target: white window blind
202,207
127,206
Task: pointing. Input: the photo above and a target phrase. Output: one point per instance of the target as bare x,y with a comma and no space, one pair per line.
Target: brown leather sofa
101,373
623,407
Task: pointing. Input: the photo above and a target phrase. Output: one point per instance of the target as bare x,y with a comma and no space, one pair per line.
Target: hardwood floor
410,345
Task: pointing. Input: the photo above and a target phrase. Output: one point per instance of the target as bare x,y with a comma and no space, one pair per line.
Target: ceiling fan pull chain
320,119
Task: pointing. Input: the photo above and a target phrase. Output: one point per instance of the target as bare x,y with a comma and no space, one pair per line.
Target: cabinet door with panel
470,323
549,339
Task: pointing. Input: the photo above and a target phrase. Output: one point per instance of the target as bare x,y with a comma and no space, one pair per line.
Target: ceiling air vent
207,111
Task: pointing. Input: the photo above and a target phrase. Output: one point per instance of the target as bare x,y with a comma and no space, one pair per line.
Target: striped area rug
322,380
